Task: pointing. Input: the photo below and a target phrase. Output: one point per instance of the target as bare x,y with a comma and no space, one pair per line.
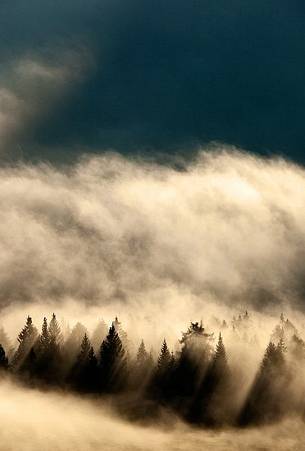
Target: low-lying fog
31,420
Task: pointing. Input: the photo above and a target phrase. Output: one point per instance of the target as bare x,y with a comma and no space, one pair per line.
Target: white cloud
229,226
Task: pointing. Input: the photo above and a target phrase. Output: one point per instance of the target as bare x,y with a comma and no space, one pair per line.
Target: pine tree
220,357
192,362
160,384
84,374
44,338
43,352
112,362
142,369
142,355
164,358
29,365
4,340
84,349
210,403
3,359
265,401
48,352
54,333
121,333
26,340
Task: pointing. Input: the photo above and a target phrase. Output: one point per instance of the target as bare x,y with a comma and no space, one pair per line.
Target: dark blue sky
167,75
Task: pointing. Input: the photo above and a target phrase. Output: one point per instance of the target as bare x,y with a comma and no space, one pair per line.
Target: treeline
196,382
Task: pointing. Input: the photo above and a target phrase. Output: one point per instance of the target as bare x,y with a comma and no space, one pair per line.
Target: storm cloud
166,76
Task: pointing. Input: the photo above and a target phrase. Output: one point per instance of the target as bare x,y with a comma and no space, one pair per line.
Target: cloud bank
227,227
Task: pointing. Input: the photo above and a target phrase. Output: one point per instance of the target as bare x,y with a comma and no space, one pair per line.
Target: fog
159,246
226,227
31,420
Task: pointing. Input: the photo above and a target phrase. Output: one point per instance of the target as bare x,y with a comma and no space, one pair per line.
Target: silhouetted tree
48,352
191,364
265,402
29,366
42,352
26,340
210,403
142,368
5,341
44,338
160,386
113,363
121,333
3,359
54,333
84,374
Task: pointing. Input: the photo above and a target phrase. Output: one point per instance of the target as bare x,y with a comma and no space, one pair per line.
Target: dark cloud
167,75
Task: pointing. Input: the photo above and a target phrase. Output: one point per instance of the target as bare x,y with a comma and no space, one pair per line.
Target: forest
197,382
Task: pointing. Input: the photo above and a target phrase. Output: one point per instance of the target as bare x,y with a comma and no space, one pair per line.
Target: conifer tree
142,368
48,353
54,333
26,340
164,358
142,354
84,375
44,338
265,401
43,352
191,364
113,364
160,384
29,365
3,359
4,340
121,333
210,403
84,349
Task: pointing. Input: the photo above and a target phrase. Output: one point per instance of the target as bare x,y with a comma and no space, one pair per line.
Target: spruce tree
50,359
54,333
142,368
210,403
142,354
44,338
266,399
84,349
193,360
3,359
113,365
164,358
160,384
26,340
84,376
4,340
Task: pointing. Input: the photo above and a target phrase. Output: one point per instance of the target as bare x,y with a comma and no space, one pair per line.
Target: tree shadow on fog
267,399
195,385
